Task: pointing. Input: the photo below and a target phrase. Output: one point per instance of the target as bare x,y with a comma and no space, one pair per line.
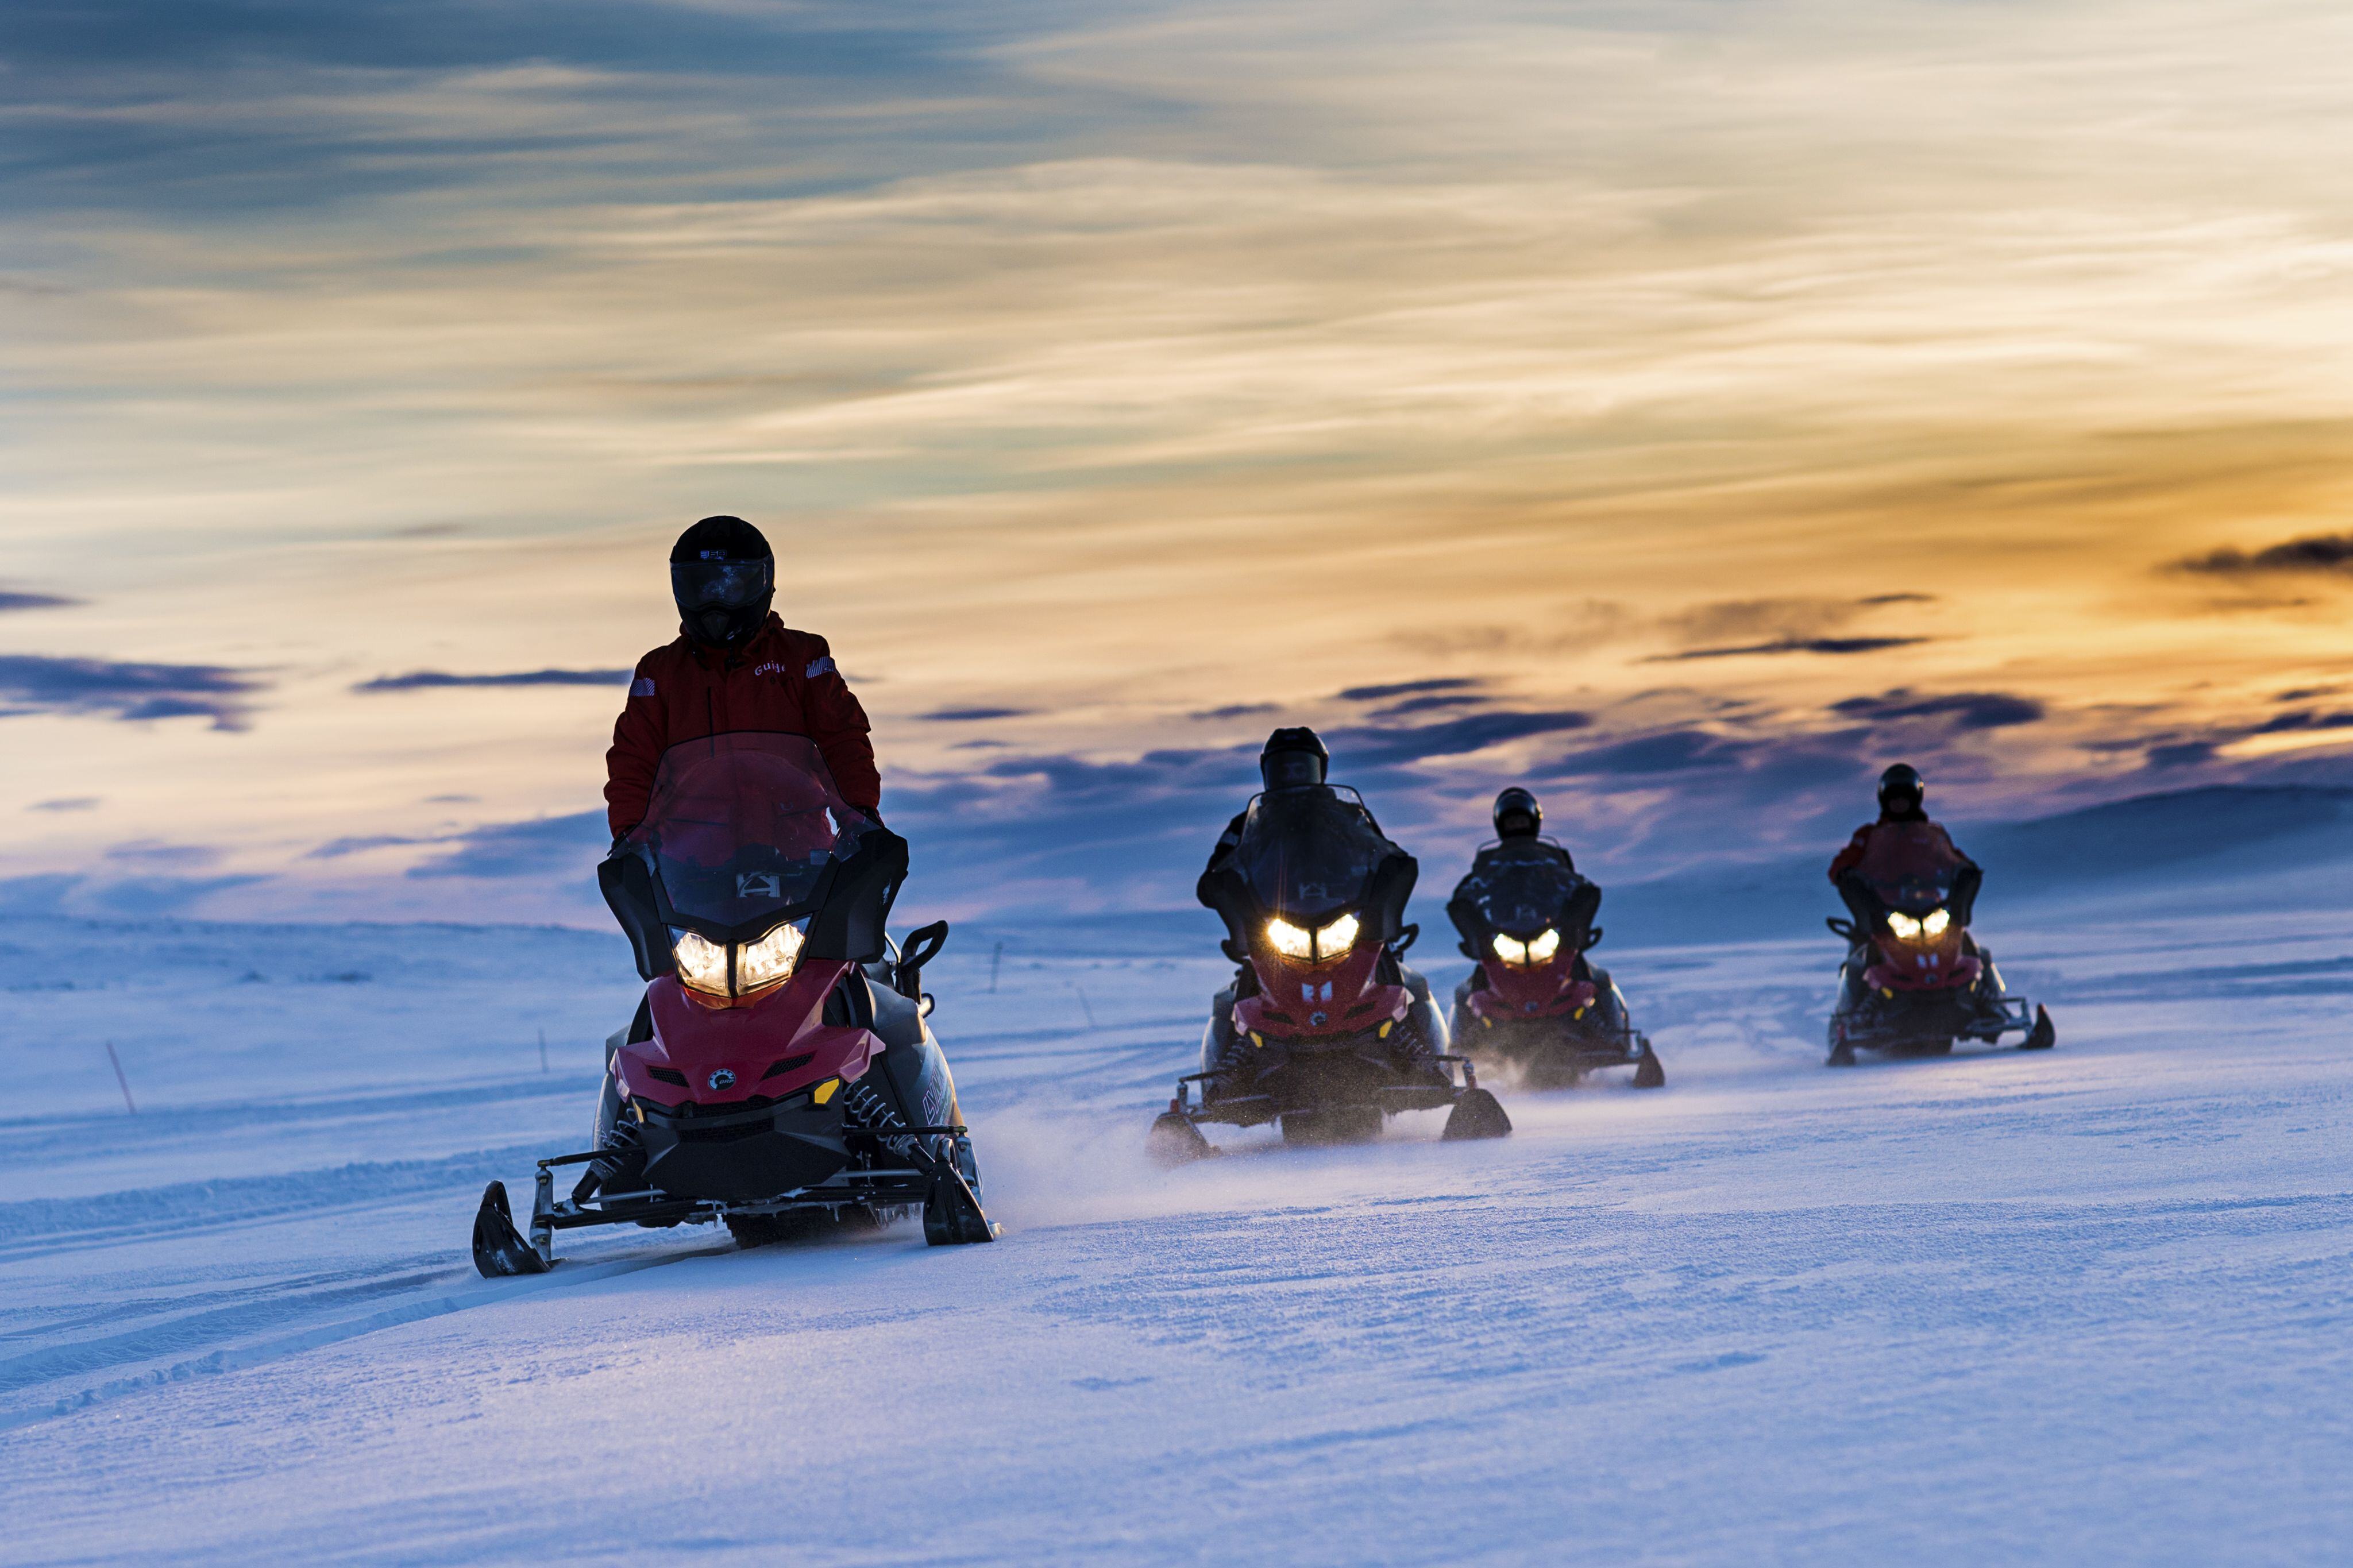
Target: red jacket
782,681
1915,836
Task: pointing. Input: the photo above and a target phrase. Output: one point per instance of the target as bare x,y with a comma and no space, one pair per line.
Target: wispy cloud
970,715
1832,646
2325,552
1963,710
437,680
16,599
67,803
542,846
31,683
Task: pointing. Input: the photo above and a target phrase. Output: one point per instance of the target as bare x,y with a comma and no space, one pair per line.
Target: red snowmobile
1325,1030
1915,980
1535,1007
780,1072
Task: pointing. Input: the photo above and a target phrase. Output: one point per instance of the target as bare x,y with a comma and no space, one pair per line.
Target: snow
2088,1304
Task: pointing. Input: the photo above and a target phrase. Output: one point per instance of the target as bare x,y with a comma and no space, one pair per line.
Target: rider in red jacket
734,666
1904,818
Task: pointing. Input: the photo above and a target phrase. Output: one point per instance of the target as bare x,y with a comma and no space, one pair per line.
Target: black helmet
1518,814
723,574
1293,757
1901,793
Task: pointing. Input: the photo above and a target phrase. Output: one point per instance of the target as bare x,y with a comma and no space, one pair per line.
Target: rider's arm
834,719
1852,856
640,735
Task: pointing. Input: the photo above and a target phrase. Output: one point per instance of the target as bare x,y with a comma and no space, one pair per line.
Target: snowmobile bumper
910,1175
1912,1020
1557,1045
1177,1137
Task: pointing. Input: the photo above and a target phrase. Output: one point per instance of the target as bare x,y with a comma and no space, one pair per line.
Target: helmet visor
1288,770
720,584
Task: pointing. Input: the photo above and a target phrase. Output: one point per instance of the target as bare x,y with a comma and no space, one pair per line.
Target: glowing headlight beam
1903,925
1289,939
1337,938
1510,949
1547,943
702,962
766,962
1938,922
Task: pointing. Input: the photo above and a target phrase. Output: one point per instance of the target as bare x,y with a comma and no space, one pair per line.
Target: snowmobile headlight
1511,949
1938,922
1290,941
1547,943
1903,925
702,962
1337,938
768,960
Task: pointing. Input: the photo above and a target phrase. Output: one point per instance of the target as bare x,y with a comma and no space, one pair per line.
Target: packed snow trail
2085,1304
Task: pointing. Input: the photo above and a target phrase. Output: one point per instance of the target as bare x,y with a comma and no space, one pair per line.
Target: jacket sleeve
837,724
1956,848
640,735
1218,852
1852,856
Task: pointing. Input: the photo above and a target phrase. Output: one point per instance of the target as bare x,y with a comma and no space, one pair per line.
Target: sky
1684,408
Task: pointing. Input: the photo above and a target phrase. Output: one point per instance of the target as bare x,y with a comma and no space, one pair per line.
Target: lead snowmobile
780,1070
1916,980
1535,1007
1326,1030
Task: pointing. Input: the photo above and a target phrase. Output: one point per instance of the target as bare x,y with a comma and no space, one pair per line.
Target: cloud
132,692
436,679
1371,746
972,715
336,848
2328,553
1668,751
159,894
1790,645
1407,689
539,846
157,853
14,600
2179,755
1736,628
1433,703
1237,710
1965,710
68,803
2280,724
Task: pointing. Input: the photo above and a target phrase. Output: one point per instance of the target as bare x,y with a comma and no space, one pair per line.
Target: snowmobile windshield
1309,854
742,826
1912,869
1524,895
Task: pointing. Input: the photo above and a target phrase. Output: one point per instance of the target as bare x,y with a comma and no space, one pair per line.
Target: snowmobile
780,1073
1915,981
1535,1007
1325,1030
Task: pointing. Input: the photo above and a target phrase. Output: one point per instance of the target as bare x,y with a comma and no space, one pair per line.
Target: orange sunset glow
1720,400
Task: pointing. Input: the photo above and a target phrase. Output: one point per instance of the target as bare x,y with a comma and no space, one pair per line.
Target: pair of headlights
704,964
1313,947
1935,924
1538,949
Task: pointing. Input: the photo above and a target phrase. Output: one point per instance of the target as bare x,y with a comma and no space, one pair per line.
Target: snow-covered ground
2091,1305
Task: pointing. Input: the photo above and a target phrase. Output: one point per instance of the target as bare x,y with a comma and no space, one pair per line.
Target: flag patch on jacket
822,666
642,687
